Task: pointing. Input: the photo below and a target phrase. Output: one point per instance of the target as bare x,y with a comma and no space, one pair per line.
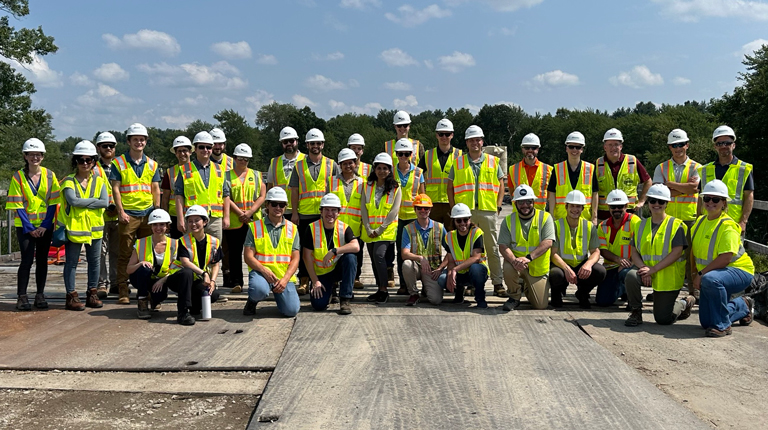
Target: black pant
142,280
175,233
378,252
234,254
189,290
559,283
303,226
359,259
27,245
401,223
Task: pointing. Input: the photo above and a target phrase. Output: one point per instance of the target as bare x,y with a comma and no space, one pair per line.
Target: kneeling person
467,264
615,237
422,254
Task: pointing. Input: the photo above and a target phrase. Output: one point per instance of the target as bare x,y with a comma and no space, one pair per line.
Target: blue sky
167,63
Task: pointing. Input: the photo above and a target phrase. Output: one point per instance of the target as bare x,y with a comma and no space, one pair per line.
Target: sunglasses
277,204
574,146
315,143
525,202
714,200
402,125
205,147
724,143
288,141
84,160
403,154
444,134
678,145
530,148
422,208
107,146
656,201
461,220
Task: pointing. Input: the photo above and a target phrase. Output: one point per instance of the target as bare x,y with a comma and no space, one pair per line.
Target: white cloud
368,108
321,83
693,10
301,101
337,106
179,121
679,80
397,86
111,72
333,56
456,62
259,99
37,71
429,64
353,83
80,80
411,17
500,5
103,96
556,78
638,77
396,57
144,39
193,101
232,50
359,4
472,108
266,60
409,101
751,47
219,75
334,23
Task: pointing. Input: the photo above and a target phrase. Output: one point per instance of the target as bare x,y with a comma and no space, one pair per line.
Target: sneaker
402,291
250,307
500,291
689,302
649,297
511,304
236,289
185,319
92,299
345,308
73,302
696,295
556,300
101,292
469,291
481,304
713,332
747,320
412,300
143,312
358,285
40,301
583,300
22,303
635,318
378,297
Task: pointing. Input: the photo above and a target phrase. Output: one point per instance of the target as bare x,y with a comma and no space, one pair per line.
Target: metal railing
751,245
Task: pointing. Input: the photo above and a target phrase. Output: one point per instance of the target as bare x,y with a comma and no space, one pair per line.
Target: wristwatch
529,257
334,251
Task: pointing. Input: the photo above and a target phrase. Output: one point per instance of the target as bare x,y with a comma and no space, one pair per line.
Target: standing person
105,145
575,254
357,144
348,187
248,194
380,205
525,242
573,174
421,248
436,165
281,167
219,150
182,148
202,183
83,200
476,181
616,235
402,124
723,267
658,252
273,267
135,181
150,264
735,174
624,173
309,183
530,171
411,185
466,257
33,196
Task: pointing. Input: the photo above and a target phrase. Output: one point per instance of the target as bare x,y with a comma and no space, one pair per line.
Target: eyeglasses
714,200
277,204
656,201
402,125
205,147
403,154
84,160
574,146
422,208
445,134
315,143
678,145
724,143
461,220
288,141
525,202
183,150
109,146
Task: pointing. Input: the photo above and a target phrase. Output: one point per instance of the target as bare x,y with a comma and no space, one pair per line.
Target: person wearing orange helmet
422,254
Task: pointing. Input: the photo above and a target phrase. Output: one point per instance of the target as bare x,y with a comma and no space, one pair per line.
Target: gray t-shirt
205,175
475,165
678,240
547,231
288,165
274,235
314,171
658,177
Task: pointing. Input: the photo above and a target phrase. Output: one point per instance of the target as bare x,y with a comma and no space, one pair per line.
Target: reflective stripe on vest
173,172
99,170
627,181
713,243
83,225
461,255
135,192
520,246
621,245
683,206
436,178
488,184
145,250
431,249
351,213
574,256
321,245
735,178
540,181
196,192
311,191
377,214
190,243
276,259
563,187
281,180
389,148
20,196
408,192
671,277
242,194
363,170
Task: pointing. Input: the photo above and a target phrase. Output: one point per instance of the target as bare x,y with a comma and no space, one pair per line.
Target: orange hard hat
422,200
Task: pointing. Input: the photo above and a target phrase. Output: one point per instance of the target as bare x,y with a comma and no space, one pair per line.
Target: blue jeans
612,286
475,278
92,256
287,302
344,273
715,308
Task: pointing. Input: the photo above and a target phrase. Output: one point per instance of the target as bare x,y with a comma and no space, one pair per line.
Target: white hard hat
196,210
179,142
531,139
288,133
677,136
576,137
330,200
716,188
158,216
444,125
617,198
346,154
276,194
404,145
401,117
383,158
84,147
460,210
105,137
218,135
243,150
136,129
575,197
613,134
203,137
723,130
356,139
659,191
314,135
33,145
473,131
523,192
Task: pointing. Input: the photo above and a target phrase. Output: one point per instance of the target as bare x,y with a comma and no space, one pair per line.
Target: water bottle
206,311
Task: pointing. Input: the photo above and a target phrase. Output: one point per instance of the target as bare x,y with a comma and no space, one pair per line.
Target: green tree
273,117
238,131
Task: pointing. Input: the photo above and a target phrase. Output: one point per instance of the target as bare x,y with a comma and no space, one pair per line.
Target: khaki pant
214,228
412,273
486,221
536,288
136,228
109,249
441,212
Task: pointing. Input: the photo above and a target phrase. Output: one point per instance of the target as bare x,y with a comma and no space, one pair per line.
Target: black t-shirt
462,241
573,176
307,241
722,169
202,248
442,157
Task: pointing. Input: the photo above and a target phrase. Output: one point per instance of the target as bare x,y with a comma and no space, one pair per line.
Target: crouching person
331,245
467,264
421,250
615,235
150,264
271,251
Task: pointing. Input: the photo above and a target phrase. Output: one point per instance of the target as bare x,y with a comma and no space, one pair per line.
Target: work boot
750,302
236,289
92,299
689,302
557,299
101,292
250,307
227,280
124,293
113,289
500,291
303,287
144,313
713,332
73,302
335,295
22,303
40,301
649,297
469,291
402,291
635,318
378,297
185,319
583,300
390,277
358,285
345,308
459,296
510,305
412,300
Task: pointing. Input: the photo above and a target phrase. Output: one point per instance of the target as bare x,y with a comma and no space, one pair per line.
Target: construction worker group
429,215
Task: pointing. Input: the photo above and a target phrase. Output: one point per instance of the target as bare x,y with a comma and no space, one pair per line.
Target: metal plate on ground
453,371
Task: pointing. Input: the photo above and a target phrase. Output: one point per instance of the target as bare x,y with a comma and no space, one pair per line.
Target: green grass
760,261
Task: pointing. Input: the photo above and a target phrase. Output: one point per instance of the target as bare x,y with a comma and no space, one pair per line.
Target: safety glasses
714,200
277,204
461,220
656,201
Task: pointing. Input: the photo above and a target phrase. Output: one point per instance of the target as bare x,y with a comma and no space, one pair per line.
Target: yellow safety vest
520,246
574,256
539,185
705,236
488,183
734,178
363,170
20,196
311,191
190,243
564,187
99,170
226,161
433,248
135,192
242,193
351,212
461,255
82,225
377,212
276,259
436,180
281,179
321,245
410,191
682,207
627,181
173,172
621,245
196,193
145,250
389,148
654,249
